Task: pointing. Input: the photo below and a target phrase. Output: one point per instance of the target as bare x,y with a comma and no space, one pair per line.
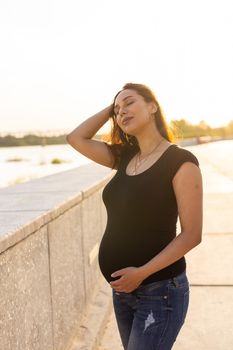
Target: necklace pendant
137,158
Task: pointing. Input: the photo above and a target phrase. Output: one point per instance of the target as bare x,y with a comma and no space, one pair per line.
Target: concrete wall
49,237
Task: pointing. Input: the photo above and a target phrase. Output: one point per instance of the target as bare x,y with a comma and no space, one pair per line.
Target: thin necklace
136,165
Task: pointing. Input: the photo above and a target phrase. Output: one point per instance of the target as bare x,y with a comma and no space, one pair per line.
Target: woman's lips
126,120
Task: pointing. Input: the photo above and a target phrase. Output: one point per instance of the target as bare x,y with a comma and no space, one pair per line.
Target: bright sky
62,61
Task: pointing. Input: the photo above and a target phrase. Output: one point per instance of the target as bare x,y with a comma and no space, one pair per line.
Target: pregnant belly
117,252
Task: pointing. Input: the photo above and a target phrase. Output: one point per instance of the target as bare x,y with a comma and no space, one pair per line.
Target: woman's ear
154,107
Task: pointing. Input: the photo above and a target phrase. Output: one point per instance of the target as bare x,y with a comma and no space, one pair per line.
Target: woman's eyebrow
123,100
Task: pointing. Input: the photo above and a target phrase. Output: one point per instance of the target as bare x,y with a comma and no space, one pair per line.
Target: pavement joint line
22,211
210,285
217,233
32,192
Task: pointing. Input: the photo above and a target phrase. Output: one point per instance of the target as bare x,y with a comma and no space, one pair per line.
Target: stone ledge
25,208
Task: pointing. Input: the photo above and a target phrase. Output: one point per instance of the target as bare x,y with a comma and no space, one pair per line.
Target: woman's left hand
130,279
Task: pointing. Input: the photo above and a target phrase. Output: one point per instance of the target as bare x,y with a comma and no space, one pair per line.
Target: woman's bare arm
81,139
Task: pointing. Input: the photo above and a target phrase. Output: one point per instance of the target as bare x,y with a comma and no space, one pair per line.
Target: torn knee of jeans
150,320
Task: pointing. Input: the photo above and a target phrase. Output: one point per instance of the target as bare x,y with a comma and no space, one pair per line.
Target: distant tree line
31,140
182,130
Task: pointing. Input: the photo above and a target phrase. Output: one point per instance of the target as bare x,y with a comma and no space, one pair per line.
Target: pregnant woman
141,255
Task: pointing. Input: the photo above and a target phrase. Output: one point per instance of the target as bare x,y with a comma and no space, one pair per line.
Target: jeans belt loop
175,281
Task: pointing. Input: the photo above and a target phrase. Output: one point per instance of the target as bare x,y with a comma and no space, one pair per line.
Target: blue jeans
150,317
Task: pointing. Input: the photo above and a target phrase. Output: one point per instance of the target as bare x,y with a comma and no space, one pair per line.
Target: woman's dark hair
117,136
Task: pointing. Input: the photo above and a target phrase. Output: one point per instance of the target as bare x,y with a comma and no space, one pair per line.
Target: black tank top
142,215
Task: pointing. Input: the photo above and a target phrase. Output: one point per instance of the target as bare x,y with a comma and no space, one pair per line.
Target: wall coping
26,207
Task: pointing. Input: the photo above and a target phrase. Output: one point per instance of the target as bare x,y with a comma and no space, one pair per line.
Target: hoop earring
128,139
126,136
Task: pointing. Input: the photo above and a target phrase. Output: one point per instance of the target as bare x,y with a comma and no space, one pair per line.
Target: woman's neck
148,140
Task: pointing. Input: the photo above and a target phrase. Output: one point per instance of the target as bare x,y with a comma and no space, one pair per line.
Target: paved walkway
209,322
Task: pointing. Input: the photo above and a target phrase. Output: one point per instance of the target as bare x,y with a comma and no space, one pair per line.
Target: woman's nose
122,110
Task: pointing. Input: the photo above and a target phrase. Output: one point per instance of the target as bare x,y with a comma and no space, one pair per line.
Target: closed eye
129,103
117,108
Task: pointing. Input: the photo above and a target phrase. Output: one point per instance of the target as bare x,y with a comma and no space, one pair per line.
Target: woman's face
132,112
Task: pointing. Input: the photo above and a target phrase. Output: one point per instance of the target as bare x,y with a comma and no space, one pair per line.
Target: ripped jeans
150,317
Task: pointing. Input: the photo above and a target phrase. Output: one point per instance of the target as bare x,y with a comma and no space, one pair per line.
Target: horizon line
62,131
